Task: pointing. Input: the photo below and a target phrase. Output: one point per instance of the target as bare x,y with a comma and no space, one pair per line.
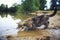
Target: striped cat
38,21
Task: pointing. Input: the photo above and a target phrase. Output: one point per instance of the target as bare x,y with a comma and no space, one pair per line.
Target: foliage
53,4
5,9
42,4
32,5
58,5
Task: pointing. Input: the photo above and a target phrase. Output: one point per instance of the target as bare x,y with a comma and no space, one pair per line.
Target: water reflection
8,25
6,14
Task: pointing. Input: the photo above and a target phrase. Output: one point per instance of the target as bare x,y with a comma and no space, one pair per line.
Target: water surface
8,25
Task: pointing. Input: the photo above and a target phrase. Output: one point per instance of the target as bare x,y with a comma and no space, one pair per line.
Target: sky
48,3
11,2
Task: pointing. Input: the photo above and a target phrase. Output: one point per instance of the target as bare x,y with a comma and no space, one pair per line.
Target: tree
58,4
35,4
42,4
30,5
12,9
53,4
6,9
2,7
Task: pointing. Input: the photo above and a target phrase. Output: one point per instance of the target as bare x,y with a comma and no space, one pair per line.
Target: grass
22,16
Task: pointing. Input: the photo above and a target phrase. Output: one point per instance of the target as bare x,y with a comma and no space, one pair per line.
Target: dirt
55,21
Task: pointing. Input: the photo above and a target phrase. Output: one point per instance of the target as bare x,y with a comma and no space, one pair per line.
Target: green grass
22,16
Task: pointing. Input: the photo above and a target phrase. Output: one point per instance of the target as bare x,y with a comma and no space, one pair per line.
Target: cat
38,21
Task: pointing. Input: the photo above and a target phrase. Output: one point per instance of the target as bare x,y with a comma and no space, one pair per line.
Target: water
8,25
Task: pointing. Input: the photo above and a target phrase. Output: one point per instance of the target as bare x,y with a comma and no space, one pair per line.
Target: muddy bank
47,34
55,21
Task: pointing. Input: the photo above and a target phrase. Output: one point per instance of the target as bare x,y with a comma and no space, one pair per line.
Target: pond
8,25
